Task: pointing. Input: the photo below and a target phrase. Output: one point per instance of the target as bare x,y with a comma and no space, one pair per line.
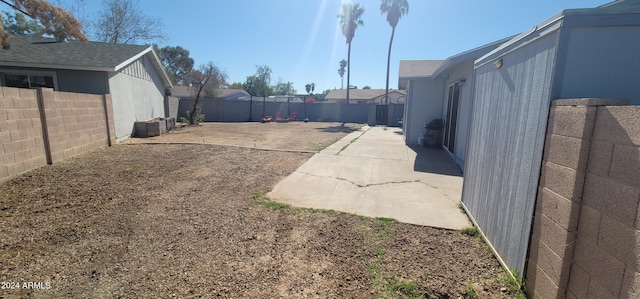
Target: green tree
207,79
394,9
284,88
343,64
259,83
122,22
177,63
17,24
350,19
236,85
55,20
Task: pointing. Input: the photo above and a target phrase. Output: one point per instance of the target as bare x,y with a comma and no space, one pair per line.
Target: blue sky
301,40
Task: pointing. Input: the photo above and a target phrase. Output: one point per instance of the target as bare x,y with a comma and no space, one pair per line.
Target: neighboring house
441,89
365,96
133,75
220,94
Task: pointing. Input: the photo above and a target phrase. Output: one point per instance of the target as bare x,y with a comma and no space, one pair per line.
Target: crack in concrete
352,141
370,185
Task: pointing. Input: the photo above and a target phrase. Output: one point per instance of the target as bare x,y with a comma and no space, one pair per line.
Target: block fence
42,126
585,239
239,111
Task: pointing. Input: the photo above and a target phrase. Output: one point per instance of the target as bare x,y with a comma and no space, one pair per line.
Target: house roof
413,69
418,68
474,54
42,52
189,91
359,94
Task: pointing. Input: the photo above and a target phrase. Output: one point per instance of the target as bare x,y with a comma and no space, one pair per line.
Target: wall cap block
590,102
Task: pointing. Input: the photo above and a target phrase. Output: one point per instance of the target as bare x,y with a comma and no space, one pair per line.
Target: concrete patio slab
371,172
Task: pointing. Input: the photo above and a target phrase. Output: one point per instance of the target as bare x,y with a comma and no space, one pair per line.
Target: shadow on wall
434,160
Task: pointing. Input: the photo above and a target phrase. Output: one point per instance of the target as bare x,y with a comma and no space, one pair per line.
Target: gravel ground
191,221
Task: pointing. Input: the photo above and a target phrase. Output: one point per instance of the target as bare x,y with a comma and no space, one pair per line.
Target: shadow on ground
434,160
343,128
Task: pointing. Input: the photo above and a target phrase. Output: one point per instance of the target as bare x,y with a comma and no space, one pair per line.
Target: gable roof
190,91
359,94
42,52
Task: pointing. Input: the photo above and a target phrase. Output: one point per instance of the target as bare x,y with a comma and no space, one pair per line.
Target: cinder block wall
586,238
75,123
21,143
40,126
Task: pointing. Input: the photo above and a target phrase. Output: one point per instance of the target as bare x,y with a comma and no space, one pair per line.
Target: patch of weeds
386,220
513,284
139,165
377,232
508,286
471,293
273,205
405,289
260,198
260,194
471,231
300,212
385,128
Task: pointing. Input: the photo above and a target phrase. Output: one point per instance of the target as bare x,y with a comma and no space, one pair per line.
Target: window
22,80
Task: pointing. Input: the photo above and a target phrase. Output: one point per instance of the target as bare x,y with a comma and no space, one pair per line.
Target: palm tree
309,88
343,64
394,9
350,19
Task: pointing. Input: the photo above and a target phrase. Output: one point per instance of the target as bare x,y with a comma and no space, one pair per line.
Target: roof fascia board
132,59
160,69
527,37
56,66
460,58
417,77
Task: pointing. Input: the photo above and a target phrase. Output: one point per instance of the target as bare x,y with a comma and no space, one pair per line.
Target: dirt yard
311,136
191,221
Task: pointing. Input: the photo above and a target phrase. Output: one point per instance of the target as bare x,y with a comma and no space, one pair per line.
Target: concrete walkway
371,172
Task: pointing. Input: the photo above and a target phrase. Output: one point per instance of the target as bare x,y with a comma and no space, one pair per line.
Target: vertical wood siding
506,141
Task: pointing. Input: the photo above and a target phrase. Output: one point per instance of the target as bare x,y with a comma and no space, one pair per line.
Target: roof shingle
41,52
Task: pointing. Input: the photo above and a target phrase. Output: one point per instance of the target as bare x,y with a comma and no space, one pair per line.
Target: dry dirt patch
311,136
189,220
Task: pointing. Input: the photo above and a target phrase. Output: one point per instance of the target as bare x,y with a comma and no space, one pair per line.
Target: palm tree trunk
348,70
386,94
